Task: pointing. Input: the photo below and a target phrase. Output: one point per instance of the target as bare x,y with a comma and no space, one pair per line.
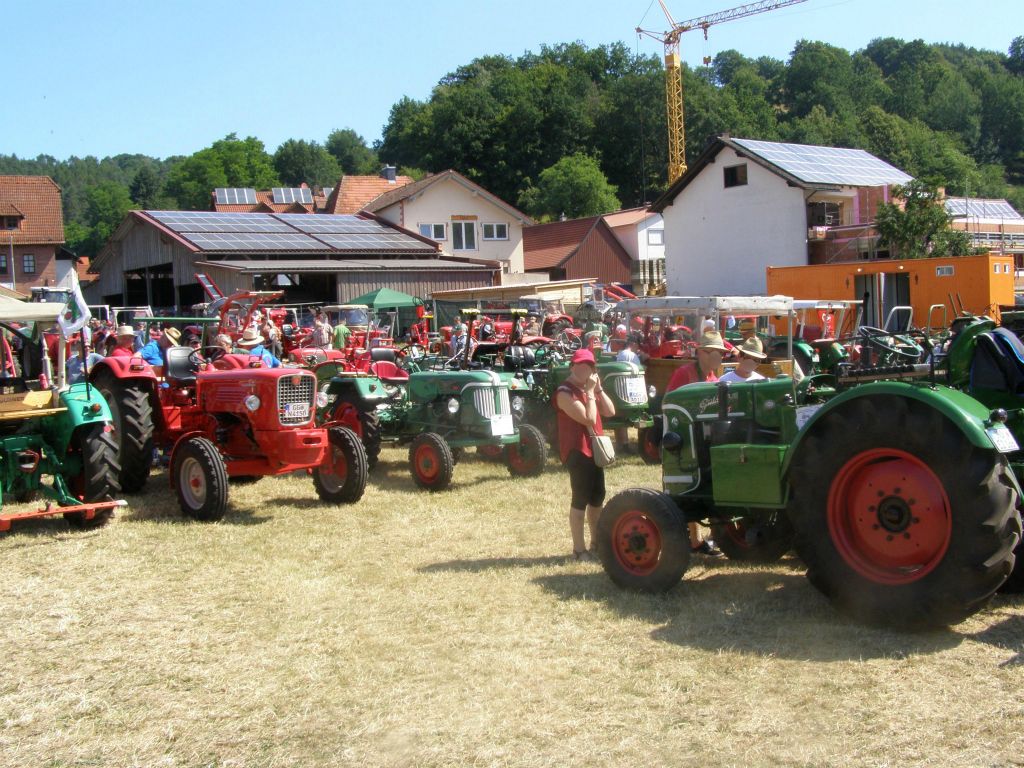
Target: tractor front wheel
529,456
341,479
642,541
200,479
132,417
99,474
431,462
755,538
900,519
649,444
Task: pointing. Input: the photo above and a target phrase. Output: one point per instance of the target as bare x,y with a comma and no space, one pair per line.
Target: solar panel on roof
980,208
235,195
208,221
254,241
332,223
287,195
827,165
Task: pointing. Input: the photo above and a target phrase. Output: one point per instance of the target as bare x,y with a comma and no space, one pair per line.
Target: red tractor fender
133,367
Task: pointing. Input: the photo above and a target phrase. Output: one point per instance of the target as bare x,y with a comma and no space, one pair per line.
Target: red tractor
224,416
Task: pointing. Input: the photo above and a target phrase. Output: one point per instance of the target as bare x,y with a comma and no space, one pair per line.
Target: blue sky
103,77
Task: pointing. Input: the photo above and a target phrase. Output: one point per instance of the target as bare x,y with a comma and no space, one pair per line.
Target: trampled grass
451,630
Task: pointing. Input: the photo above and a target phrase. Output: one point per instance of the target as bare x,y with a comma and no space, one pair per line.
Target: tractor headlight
321,400
517,404
652,392
252,402
453,405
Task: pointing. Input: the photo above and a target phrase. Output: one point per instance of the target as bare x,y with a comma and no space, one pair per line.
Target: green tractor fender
967,414
365,391
83,405
961,351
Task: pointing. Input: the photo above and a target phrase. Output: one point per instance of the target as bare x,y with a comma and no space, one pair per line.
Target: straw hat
173,335
125,330
753,347
712,340
746,325
250,338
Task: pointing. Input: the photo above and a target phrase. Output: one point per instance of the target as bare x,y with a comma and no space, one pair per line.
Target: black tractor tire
754,539
245,479
901,521
341,479
99,474
431,462
642,541
529,456
1014,584
457,454
200,479
369,421
553,328
648,444
132,416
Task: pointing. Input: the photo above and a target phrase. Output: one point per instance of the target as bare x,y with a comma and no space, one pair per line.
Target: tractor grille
631,389
293,391
486,403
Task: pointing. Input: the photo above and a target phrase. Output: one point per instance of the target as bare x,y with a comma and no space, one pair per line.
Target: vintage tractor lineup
886,457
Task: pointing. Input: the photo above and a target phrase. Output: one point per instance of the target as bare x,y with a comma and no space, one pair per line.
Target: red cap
583,355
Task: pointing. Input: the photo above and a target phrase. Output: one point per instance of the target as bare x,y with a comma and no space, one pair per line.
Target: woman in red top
581,403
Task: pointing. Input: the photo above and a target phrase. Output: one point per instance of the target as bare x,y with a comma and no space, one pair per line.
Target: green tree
230,162
145,187
574,186
106,206
352,153
913,230
298,161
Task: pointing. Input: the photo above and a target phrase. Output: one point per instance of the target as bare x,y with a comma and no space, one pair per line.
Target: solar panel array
826,165
235,195
287,195
980,208
211,231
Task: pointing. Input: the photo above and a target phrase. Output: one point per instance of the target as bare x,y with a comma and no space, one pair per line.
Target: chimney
389,172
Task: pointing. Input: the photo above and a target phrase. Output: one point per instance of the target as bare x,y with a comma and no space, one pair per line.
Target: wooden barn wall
144,246
601,257
228,280
419,283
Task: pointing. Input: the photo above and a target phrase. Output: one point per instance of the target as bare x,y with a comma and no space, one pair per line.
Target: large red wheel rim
637,542
522,456
490,451
348,416
651,450
889,516
735,531
427,463
339,465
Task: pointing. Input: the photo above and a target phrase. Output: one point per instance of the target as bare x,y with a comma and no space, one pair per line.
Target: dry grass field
451,630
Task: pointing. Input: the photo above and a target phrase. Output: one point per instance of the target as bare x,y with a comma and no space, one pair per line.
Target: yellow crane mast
674,76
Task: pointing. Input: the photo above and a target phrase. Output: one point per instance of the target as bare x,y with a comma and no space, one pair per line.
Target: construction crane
674,77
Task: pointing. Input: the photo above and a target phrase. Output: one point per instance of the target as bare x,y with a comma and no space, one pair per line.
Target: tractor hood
426,385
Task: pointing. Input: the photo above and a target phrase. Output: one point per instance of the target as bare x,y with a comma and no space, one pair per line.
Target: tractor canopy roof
661,306
14,311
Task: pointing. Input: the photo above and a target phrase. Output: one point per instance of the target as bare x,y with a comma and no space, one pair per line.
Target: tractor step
89,510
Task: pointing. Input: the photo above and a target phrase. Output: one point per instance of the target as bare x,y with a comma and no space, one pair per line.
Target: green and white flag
75,314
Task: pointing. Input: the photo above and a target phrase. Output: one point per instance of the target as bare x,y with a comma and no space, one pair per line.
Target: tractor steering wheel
882,340
568,342
198,357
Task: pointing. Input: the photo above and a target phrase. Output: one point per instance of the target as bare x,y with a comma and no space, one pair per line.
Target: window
735,175
944,271
28,263
433,231
3,263
655,236
495,231
463,235
9,222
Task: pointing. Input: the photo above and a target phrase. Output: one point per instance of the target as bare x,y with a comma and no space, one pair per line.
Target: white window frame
25,261
432,229
945,271
660,239
494,230
463,226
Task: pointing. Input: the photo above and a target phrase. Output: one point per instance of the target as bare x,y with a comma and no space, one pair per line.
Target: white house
642,234
746,205
462,216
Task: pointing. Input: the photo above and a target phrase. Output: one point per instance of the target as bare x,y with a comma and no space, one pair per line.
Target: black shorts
586,480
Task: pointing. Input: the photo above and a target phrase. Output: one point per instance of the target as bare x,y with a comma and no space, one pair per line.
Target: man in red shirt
709,360
125,342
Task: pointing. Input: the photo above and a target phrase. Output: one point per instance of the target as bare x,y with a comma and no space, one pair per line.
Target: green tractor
50,428
437,414
894,489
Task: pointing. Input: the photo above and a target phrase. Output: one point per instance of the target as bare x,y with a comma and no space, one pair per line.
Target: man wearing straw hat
125,342
751,353
155,352
252,343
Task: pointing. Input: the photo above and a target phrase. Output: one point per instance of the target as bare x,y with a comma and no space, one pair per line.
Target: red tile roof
548,245
628,216
264,204
395,195
353,193
37,199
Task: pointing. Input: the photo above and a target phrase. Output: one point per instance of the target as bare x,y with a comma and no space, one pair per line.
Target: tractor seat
821,343
179,368
998,362
383,354
387,371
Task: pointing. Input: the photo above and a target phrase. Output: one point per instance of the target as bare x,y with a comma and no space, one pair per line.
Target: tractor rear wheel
369,422
430,460
1014,584
754,539
341,479
529,456
200,479
900,520
642,541
649,444
98,481
132,417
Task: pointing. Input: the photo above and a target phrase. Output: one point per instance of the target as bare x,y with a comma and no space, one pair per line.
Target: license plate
803,415
296,410
502,425
1002,439
636,391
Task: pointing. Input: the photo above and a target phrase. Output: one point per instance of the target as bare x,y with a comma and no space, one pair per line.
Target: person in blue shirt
252,343
155,352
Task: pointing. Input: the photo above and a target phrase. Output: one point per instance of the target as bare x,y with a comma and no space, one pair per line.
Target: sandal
583,556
